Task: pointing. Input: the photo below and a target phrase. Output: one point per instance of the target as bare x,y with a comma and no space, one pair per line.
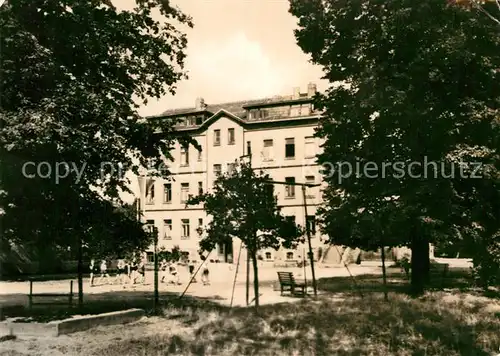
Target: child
142,271
174,273
163,270
93,271
104,272
121,272
192,265
133,271
205,276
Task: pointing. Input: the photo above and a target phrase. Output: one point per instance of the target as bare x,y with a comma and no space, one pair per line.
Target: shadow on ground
355,326
97,303
397,282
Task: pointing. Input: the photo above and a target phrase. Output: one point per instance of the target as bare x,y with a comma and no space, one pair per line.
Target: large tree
74,73
242,205
414,95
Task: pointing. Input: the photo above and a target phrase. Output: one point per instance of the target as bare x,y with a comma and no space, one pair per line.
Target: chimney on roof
200,104
311,90
296,92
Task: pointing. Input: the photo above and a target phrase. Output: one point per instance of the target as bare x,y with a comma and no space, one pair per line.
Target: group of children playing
125,271
132,271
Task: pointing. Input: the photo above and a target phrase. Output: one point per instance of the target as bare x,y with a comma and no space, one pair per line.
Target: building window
249,148
184,192
306,109
185,228
191,121
167,229
295,110
291,218
167,193
290,189
217,169
290,148
230,137
150,191
309,180
267,152
200,155
200,188
310,148
269,256
289,256
311,224
184,156
216,137
231,167
150,256
199,120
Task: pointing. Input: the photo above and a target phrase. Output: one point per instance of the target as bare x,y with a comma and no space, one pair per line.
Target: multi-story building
278,132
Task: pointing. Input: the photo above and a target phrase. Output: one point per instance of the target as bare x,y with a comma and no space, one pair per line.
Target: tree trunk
384,275
427,260
247,284
419,263
80,273
255,278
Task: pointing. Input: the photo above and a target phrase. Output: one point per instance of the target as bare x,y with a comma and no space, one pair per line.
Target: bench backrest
286,277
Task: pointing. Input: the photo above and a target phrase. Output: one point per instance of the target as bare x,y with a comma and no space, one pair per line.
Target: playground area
339,321
219,290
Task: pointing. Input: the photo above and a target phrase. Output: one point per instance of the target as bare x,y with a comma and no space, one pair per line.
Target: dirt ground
220,289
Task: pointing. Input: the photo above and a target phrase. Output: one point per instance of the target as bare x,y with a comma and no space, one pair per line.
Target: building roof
237,108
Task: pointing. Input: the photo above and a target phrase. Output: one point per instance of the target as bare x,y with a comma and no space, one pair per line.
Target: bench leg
30,297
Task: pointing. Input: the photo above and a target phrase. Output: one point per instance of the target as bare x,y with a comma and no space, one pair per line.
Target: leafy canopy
420,84
242,204
74,73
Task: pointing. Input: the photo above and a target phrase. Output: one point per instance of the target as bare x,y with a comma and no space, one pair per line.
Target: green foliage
420,84
113,231
174,255
243,205
73,76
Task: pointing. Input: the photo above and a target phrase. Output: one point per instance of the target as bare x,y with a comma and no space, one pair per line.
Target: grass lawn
456,321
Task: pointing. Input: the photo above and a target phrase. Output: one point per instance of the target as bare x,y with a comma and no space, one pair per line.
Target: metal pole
236,275
304,265
194,275
350,274
155,251
247,284
311,256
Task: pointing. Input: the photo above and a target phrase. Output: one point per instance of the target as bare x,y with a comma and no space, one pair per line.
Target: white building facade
278,132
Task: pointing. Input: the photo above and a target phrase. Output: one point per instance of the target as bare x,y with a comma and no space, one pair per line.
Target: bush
486,260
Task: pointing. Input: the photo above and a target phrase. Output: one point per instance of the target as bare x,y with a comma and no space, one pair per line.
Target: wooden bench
288,283
51,295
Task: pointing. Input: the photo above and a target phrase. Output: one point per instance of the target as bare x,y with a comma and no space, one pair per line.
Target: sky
237,50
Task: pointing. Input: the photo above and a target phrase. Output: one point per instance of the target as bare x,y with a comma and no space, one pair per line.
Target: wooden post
31,294
70,293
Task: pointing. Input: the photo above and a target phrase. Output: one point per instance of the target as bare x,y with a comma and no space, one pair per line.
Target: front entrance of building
225,252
